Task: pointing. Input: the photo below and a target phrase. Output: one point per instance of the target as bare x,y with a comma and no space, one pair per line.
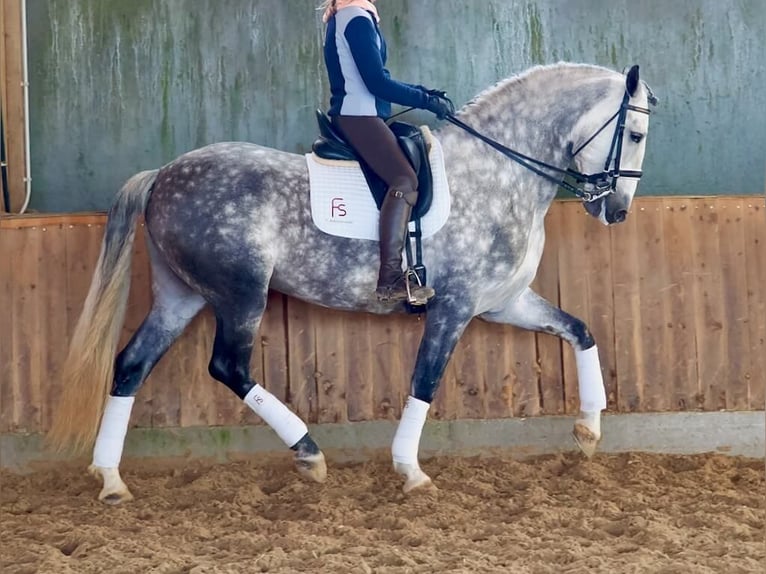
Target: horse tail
88,370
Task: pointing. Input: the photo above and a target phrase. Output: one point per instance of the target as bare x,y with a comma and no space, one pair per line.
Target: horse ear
631,83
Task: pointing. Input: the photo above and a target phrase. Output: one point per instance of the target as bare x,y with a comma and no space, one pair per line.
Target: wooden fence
675,297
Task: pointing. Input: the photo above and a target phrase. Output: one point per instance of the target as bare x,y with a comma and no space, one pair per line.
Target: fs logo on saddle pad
342,204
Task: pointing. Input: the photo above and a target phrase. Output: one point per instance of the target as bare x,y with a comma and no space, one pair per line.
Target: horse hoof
114,490
416,479
422,484
312,466
585,439
115,498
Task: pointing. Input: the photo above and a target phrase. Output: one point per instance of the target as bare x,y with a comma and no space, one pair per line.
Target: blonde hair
330,7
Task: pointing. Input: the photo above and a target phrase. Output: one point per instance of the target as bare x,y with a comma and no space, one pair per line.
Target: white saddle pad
342,204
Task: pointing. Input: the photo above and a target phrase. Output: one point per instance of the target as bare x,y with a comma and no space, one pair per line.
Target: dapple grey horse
229,221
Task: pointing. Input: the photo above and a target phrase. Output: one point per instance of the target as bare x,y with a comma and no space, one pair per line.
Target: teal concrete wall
120,86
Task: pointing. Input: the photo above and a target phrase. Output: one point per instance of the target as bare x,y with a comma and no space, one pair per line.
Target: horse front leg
530,311
445,324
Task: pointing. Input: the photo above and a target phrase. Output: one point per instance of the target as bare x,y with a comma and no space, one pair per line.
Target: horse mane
513,82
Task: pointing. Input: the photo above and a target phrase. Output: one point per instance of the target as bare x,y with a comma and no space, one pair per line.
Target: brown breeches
376,144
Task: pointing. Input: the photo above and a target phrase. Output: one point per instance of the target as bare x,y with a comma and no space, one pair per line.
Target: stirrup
420,294
414,294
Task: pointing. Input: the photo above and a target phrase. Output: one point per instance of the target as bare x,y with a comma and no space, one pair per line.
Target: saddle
331,145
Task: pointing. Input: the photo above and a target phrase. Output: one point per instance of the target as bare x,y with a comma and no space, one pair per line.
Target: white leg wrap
590,381
407,439
285,423
111,436
592,420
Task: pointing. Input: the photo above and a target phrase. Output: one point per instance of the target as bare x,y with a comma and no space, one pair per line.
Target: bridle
603,183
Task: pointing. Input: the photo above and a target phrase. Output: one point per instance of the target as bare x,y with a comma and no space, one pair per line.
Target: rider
361,95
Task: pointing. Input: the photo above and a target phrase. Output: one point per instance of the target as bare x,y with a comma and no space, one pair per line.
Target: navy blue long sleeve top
355,56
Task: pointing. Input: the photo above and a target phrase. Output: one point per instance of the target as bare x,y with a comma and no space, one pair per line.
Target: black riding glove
439,104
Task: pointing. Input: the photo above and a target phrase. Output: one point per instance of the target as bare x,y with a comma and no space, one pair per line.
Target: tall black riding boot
393,284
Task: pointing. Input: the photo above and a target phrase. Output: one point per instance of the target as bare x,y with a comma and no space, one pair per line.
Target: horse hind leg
175,305
230,364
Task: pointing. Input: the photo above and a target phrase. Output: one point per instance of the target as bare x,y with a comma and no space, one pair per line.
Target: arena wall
675,297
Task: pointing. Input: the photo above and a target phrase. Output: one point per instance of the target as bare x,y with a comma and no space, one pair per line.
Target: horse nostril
620,215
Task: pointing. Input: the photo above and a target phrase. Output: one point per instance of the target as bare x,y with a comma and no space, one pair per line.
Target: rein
604,182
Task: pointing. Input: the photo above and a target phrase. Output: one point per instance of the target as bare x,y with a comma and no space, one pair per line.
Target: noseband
601,184
605,182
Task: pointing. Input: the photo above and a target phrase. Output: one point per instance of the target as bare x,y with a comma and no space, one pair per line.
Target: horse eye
636,137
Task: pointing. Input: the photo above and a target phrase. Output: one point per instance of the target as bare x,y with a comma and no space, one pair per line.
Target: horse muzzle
616,215
605,211
594,208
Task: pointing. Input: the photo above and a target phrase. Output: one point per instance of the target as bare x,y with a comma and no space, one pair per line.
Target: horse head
608,148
